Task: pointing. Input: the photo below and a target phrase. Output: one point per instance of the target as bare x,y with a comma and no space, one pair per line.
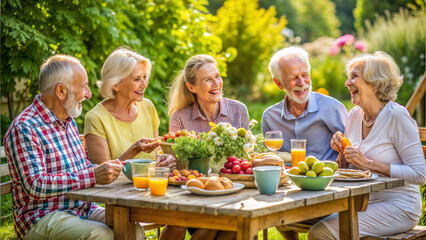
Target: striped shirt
46,160
191,119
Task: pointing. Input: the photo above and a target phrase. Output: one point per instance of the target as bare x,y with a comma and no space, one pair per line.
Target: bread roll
214,184
195,183
268,160
203,179
226,183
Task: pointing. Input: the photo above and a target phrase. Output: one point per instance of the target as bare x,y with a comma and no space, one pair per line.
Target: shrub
403,37
369,10
255,33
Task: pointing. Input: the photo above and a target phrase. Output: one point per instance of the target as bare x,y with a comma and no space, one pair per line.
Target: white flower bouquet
229,141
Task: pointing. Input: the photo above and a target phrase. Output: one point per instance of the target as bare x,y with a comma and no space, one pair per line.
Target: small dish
373,176
194,190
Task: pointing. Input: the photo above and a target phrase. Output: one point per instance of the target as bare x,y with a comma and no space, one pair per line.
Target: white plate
373,176
237,187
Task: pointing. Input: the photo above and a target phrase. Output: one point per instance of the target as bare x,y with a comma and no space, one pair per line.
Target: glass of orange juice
274,140
298,151
158,180
140,175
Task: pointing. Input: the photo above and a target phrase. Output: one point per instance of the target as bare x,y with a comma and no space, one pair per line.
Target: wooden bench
6,188
419,232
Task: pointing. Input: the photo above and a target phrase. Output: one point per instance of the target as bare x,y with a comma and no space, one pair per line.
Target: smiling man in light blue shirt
302,114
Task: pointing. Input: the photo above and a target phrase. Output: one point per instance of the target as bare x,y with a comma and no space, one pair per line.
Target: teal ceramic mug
267,178
127,169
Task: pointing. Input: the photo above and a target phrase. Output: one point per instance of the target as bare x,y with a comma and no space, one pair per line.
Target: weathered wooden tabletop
245,211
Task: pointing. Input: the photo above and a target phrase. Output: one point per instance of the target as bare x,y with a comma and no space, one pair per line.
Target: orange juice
140,181
297,155
158,185
274,144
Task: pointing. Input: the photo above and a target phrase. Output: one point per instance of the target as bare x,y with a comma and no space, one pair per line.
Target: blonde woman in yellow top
124,125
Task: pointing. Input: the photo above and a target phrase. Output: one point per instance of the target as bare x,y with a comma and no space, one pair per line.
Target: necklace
368,124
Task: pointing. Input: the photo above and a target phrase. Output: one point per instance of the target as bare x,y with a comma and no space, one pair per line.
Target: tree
33,30
254,32
344,12
369,10
283,8
316,18
168,32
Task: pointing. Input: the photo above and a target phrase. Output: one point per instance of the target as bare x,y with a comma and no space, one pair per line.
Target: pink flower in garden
334,50
360,45
345,39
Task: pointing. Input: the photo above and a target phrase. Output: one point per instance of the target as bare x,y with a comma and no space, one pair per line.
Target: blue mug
127,169
267,178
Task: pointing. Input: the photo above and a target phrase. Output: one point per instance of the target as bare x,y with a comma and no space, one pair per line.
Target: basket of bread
212,186
241,171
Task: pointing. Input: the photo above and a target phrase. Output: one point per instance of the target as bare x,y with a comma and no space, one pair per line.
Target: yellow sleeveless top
121,135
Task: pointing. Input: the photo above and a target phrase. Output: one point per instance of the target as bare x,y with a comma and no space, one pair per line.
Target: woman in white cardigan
385,140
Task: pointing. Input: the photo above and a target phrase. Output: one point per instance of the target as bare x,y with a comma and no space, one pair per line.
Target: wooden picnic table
245,212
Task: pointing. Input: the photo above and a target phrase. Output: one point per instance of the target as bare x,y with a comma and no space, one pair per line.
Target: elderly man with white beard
302,114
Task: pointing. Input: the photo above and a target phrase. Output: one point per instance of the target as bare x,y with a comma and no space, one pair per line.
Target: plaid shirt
46,160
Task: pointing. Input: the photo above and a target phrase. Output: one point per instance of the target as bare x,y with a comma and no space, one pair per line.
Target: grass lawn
272,234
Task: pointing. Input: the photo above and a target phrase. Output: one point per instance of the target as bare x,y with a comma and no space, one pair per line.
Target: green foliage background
370,10
403,37
254,33
167,31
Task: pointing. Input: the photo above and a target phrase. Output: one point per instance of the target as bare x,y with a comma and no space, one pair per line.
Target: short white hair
56,70
274,67
118,66
381,71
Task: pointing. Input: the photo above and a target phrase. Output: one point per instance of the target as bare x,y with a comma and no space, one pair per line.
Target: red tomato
228,165
241,172
177,133
236,169
231,159
166,136
172,135
223,170
249,170
228,171
244,165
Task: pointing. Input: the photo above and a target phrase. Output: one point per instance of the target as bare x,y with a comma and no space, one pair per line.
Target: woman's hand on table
166,160
335,141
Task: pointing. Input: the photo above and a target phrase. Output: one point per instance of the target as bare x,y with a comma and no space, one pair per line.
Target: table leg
348,220
248,229
109,215
123,228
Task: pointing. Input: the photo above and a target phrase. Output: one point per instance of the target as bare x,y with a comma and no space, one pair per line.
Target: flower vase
202,165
